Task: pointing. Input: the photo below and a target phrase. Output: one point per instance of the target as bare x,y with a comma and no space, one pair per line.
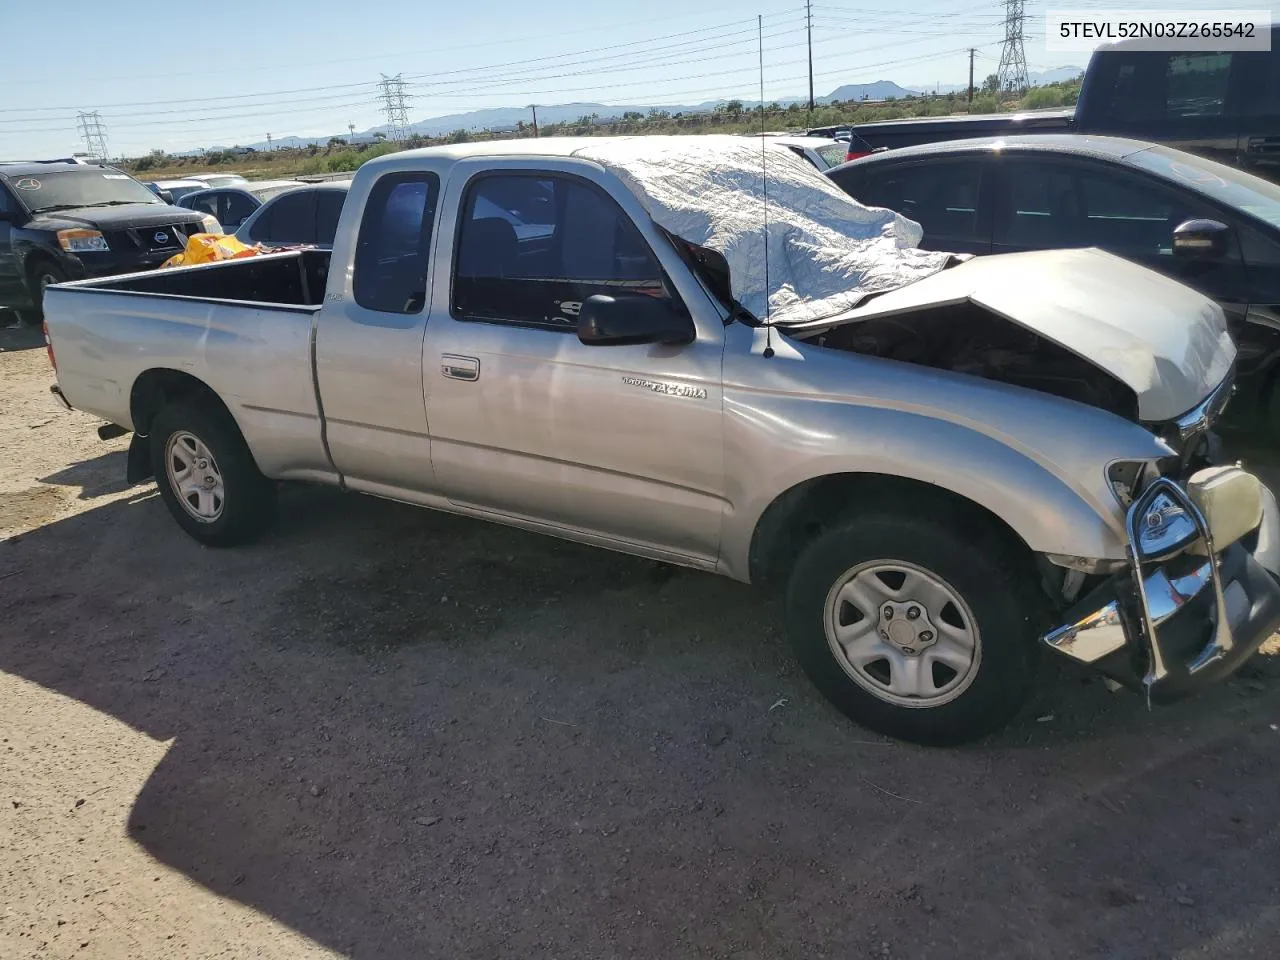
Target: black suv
67,221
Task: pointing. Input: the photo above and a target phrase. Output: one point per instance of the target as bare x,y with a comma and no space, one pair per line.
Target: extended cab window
394,242
532,248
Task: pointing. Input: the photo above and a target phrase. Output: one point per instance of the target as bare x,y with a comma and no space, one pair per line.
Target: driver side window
532,248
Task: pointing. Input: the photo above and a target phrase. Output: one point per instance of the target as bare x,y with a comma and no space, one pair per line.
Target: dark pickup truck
68,221
892,134
1224,105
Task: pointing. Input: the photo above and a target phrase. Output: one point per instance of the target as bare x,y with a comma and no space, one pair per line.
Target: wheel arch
806,509
151,391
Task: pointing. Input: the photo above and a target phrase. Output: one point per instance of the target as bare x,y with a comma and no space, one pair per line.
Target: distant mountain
880,90
1056,75
509,118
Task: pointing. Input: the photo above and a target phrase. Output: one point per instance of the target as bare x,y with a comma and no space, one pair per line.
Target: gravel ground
388,733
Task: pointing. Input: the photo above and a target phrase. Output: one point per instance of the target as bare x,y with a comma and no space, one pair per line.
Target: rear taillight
48,346
854,155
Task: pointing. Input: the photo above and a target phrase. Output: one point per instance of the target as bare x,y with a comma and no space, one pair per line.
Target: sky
184,74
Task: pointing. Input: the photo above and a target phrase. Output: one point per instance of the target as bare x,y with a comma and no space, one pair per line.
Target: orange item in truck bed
209,248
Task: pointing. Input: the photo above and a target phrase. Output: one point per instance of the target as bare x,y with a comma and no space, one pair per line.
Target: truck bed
292,279
244,329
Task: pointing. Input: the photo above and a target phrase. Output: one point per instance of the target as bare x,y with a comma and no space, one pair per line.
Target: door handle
459,368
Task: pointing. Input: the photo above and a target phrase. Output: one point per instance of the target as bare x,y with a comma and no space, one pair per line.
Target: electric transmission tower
1012,72
94,132
395,104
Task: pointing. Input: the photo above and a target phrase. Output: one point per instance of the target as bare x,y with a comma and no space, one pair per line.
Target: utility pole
1012,72
971,74
808,19
94,133
534,108
395,104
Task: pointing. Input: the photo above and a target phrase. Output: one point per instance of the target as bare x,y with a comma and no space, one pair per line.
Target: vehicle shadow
94,477
15,336
406,734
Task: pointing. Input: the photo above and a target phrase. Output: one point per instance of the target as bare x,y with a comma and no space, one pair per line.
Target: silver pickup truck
690,350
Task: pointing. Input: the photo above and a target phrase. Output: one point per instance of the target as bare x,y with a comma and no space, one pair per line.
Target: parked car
171,191
823,152
67,221
233,205
1224,105
908,132
939,473
304,215
219,179
1209,225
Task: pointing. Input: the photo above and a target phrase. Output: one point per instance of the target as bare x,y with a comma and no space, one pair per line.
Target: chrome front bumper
1187,622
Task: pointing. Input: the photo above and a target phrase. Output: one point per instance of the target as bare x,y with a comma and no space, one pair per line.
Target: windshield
69,189
1227,185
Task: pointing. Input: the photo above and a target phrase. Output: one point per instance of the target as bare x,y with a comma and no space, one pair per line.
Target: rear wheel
915,628
207,475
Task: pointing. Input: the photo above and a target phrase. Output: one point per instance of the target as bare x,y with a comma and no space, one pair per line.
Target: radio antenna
764,180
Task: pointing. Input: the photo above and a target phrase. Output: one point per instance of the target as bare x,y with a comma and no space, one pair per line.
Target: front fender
1036,461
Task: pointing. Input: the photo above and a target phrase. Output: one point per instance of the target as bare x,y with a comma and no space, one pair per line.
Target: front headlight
1164,528
211,224
82,241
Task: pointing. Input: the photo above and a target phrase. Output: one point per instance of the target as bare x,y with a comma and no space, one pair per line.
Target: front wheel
915,628
44,274
207,475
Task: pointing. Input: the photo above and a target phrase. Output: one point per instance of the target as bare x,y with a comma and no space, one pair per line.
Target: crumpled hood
1163,340
826,251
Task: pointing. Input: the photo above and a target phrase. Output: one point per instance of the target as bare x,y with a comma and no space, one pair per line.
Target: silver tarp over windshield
826,251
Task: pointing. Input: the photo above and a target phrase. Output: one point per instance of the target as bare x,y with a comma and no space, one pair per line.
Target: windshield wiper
84,206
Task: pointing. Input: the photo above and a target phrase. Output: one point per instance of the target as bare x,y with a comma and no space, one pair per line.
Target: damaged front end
1199,592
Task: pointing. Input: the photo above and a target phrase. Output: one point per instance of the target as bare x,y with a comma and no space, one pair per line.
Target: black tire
248,501
979,567
40,274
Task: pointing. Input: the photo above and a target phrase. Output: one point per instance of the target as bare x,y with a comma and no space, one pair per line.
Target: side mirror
1201,240
166,196
630,318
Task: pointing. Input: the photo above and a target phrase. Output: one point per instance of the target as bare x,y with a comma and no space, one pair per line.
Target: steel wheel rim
902,633
194,477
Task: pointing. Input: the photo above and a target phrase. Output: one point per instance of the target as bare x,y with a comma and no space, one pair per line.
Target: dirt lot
388,733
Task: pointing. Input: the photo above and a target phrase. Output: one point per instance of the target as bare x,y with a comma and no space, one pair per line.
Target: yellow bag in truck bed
209,248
